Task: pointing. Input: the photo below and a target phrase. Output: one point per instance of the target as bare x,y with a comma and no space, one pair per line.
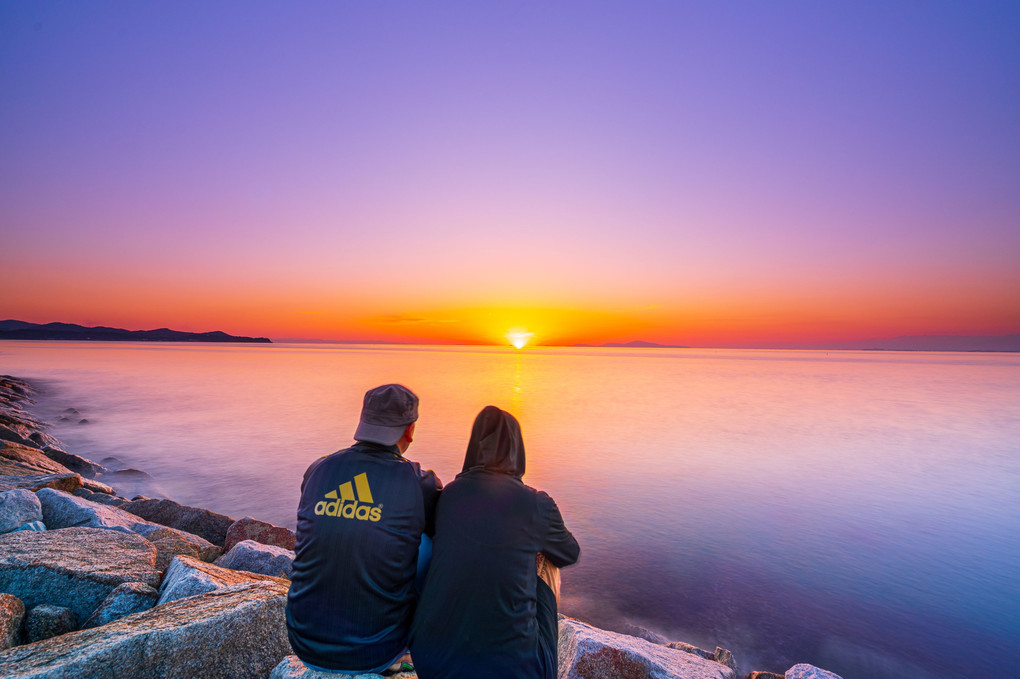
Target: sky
695,173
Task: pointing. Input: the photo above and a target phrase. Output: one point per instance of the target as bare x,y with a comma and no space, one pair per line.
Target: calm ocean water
859,511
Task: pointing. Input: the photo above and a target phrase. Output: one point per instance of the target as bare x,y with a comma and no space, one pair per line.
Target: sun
519,338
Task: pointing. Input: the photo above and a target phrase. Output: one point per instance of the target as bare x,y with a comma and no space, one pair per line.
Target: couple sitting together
387,560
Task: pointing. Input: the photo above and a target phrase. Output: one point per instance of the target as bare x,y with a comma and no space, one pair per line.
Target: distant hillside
20,330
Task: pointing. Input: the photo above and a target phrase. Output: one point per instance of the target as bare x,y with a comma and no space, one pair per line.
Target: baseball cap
385,414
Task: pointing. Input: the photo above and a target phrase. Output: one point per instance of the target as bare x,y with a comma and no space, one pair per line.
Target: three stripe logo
348,505
346,494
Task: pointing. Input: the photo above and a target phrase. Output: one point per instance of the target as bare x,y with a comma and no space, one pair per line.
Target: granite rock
31,525
586,652
234,632
18,507
63,510
291,667
46,620
21,459
256,557
202,522
723,656
68,482
41,439
111,500
805,671
73,567
690,648
187,577
126,599
643,633
259,531
12,435
75,463
97,487
170,543
12,613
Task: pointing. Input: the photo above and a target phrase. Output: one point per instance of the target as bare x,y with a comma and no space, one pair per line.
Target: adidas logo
347,506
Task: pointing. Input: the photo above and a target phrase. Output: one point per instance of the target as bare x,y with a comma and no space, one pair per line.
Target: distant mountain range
20,330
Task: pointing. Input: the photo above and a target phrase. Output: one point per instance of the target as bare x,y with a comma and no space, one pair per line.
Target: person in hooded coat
484,611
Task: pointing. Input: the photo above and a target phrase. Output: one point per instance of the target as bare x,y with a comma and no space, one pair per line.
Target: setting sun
519,338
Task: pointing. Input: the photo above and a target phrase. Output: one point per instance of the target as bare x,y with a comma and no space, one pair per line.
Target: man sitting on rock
361,517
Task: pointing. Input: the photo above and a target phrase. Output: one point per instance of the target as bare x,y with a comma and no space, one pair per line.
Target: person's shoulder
542,498
425,475
323,461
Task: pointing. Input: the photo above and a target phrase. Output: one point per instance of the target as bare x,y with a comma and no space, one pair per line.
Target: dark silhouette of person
361,517
485,611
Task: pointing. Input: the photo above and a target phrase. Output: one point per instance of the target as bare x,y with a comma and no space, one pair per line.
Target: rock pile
95,585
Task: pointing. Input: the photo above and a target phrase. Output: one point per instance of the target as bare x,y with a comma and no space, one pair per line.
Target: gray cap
385,414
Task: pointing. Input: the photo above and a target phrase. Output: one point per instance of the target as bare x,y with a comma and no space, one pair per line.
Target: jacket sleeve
431,486
558,545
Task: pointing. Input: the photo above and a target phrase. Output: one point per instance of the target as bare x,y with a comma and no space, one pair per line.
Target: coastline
163,552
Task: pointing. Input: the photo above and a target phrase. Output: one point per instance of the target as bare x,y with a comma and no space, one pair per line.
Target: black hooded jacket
477,615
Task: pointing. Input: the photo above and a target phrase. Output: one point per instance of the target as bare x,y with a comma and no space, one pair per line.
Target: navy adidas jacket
477,618
360,519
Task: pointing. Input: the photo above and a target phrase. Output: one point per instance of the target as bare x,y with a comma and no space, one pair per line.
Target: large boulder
18,507
13,436
805,671
126,599
171,542
75,463
97,487
41,439
586,652
202,522
21,459
12,612
234,632
259,531
256,557
66,482
291,667
188,577
73,567
63,510
46,620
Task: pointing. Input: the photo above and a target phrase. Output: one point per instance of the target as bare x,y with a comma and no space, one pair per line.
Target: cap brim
379,434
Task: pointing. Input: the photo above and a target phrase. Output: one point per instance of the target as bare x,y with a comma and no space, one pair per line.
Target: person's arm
431,487
559,546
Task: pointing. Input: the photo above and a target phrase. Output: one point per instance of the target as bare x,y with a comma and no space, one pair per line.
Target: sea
859,511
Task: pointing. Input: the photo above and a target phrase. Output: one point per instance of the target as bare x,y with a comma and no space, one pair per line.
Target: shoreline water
23,429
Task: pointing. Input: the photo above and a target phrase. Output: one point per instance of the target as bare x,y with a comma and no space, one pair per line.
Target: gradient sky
702,173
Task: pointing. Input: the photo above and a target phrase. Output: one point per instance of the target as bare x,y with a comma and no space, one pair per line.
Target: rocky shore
95,585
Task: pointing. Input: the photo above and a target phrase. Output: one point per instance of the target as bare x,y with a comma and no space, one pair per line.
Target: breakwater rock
94,585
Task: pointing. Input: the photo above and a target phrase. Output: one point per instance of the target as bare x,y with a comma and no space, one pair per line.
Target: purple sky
683,172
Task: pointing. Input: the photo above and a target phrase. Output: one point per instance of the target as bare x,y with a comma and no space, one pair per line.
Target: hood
496,444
